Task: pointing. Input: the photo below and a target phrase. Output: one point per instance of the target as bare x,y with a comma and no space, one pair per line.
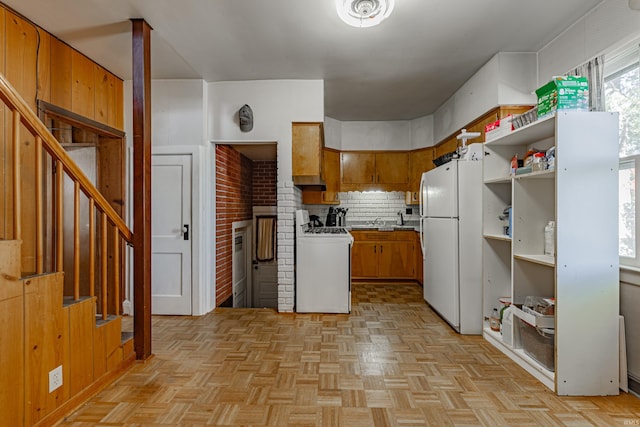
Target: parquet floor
391,362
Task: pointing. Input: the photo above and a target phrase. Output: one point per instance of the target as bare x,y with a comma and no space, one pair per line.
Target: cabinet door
421,161
364,260
396,260
307,142
392,168
331,164
357,168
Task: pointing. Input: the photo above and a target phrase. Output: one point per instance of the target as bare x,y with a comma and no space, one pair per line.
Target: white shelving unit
580,195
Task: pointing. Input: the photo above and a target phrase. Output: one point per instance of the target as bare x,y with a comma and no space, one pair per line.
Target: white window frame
623,60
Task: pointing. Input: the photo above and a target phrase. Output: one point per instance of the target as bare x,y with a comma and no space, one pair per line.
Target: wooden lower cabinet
383,255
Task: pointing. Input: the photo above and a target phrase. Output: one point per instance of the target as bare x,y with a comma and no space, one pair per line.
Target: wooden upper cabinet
331,168
366,170
421,161
392,167
307,141
357,167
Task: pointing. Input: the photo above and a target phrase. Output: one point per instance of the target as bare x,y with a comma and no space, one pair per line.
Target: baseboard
58,414
634,385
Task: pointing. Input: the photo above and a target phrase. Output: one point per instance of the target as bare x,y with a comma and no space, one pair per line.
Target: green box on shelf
563,93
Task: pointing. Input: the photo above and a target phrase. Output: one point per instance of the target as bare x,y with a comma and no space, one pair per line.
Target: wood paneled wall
40,66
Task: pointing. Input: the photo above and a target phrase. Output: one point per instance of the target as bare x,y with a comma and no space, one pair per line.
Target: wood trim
77,119
103,266
17,214
76,241
59,208
92,248
39,209
141,53
116,271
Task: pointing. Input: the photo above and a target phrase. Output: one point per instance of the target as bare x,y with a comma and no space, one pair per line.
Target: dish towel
266,233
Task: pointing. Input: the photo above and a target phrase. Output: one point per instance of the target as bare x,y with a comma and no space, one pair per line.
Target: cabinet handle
378,178
374,249
381,248
372,180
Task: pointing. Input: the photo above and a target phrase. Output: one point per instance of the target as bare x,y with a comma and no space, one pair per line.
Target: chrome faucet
401,218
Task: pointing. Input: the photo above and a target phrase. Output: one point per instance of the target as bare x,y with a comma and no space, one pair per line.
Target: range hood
310,182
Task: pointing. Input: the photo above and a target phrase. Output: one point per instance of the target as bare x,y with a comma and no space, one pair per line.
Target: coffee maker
331,217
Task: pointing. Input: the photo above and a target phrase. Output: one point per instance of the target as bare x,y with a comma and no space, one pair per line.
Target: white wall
178,126
376,135
422,132
607,26
332,133
275,104
379,135
507,79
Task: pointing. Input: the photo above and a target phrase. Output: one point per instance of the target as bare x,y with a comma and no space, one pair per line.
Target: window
622,94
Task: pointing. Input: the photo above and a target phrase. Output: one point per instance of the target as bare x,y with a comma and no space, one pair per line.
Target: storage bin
538,343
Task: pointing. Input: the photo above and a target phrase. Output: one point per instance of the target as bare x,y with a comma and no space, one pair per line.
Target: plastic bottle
494,320
550,238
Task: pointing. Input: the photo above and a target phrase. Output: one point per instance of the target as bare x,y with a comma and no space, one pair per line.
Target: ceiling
402,69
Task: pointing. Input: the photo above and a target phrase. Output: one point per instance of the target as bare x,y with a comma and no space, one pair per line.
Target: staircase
57,348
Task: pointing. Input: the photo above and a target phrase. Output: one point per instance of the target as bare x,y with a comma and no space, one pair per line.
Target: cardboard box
563,93
498,128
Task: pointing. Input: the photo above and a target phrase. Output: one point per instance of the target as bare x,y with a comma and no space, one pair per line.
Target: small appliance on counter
315,221
331,217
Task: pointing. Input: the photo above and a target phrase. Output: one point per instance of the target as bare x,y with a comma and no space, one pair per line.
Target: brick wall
233,203
265,181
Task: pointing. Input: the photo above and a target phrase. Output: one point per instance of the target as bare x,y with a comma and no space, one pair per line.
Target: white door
171,234
240,269
442,191
441,289
265,263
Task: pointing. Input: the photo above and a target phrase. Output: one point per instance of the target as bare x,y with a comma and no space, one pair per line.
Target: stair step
68,300
126,336
100,321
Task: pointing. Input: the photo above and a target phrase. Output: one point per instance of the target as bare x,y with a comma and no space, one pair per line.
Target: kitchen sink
381,227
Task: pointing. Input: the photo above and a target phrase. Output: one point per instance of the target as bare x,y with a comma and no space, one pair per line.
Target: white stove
323,267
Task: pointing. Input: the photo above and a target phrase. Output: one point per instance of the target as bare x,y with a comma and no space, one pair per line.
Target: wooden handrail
23,114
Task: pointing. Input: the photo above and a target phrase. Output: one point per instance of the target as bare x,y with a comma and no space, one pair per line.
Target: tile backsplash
369,205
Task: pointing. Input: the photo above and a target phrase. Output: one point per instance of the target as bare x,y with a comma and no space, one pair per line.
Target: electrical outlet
55,379
409,211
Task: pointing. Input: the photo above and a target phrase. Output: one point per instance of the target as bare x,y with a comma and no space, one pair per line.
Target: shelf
499,180
520,357
501,237
545,174
536,131
545,260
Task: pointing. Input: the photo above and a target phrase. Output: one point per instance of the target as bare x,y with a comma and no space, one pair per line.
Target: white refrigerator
451,239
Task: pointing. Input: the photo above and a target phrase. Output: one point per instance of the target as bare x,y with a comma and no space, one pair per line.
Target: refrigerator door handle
422,239
421,200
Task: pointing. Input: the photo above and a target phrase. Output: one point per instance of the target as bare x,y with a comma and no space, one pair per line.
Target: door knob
185,231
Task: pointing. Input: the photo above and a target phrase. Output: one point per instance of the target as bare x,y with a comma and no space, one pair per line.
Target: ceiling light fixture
364,13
